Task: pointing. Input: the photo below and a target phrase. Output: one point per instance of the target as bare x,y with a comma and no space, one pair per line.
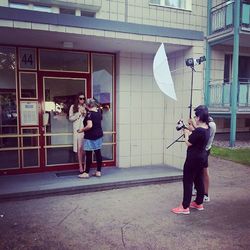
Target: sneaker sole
180,212
81,177
197,208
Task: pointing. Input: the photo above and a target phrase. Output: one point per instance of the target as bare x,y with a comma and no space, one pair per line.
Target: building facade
228,68
50,50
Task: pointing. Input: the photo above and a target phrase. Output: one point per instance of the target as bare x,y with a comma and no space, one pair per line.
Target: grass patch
237,155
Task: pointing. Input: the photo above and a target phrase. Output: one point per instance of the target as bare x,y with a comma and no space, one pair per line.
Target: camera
190,62
180,125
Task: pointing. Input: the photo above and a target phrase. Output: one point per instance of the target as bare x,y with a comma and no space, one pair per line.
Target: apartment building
52,49
228,68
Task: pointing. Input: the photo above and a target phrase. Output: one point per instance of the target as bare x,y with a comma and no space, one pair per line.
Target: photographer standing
212,127
196,142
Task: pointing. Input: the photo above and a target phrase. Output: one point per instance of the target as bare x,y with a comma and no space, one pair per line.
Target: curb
33,194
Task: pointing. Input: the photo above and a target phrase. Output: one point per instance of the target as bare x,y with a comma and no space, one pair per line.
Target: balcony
220,93
221,17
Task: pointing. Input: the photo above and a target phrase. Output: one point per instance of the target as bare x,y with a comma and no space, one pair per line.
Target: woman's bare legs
81,157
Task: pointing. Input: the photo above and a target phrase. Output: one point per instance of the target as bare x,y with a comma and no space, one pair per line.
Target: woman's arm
87,127
186,137
73,116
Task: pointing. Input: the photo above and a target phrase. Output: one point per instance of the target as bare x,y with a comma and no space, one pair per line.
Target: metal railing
220,94
245,15
221,16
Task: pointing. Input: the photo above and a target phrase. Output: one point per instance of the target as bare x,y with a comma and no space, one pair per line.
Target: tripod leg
177,140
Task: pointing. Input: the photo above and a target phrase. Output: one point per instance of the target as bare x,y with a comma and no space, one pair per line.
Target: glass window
8,107
88,14
67,11
19,6
30,139
42,8
9,159
28,85
180,4
55,60
27,6
102,78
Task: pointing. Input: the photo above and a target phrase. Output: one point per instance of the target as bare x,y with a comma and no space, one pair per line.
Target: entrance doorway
37,88
59,93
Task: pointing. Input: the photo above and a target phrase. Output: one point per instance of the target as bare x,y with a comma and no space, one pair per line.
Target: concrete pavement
135,218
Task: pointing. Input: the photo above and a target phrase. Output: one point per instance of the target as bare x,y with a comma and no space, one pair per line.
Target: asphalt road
134,218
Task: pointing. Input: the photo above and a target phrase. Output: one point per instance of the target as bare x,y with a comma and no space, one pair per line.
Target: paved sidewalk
53,183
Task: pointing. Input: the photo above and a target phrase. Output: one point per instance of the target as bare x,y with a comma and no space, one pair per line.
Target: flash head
191,62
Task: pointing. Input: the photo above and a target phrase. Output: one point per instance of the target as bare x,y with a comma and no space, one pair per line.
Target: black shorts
206,160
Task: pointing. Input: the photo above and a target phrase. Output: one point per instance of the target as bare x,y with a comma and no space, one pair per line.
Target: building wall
140,112
146,118
141,12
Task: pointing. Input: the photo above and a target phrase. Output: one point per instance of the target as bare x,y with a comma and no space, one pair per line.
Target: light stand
190,106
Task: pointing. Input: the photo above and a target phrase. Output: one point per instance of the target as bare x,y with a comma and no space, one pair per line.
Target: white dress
77,119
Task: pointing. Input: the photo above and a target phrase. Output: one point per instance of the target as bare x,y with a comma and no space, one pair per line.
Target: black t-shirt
96,131
198,139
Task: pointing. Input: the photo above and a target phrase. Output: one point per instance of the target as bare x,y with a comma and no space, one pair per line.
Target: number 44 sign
27,58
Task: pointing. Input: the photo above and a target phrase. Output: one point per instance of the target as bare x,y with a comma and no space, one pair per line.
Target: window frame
188,4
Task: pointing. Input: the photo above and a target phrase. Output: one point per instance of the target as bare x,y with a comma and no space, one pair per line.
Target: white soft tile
136,100
136,161
123,116
124,100
123,162
157,159
146,132
146,159
136,83
123,132
136,132
124,149
124,83
135,116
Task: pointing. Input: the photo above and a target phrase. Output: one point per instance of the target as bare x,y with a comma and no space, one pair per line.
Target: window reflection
8,110
103,93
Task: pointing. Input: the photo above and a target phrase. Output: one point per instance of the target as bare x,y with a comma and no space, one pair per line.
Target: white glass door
59,94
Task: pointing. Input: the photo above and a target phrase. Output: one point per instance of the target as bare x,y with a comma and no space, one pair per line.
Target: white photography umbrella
162,73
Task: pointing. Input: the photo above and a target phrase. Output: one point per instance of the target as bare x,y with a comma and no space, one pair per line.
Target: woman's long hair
75,107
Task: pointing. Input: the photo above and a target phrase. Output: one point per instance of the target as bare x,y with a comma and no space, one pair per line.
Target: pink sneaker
193,204
180,210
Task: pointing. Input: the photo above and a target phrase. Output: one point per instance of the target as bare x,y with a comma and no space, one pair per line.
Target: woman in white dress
77,114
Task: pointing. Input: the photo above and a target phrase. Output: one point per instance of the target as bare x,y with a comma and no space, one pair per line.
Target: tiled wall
140,112
140,11
146,118
217,2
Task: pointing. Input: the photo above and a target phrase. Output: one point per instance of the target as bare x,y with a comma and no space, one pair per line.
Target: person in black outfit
196,142
93,134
